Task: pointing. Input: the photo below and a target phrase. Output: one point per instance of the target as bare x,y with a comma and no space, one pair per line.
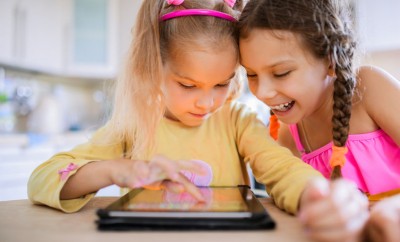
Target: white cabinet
34,33
9,12
93,49
45,32
6,31
76,38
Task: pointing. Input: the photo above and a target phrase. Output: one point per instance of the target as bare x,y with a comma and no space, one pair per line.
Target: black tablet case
262,221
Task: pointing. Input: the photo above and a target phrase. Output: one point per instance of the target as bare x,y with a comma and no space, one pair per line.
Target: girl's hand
158,172
384,222
335,211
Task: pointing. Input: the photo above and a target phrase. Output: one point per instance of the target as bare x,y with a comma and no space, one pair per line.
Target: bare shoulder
371,77
379,95
285,139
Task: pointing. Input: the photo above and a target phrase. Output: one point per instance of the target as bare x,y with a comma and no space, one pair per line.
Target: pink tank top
372,160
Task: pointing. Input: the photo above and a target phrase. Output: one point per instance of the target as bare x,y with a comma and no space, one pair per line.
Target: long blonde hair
138,102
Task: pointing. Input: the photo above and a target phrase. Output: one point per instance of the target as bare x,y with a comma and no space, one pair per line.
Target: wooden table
22,221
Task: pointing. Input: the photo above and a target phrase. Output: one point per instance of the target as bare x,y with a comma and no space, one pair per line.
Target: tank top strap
295,134
380,196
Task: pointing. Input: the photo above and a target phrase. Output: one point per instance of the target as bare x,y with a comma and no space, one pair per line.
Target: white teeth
281,107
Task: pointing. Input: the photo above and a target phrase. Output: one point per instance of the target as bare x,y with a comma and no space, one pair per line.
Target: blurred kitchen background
59,57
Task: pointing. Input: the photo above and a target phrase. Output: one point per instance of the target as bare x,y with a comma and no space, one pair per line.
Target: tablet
224,208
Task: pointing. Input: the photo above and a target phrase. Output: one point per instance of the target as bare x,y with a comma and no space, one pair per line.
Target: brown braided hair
325,28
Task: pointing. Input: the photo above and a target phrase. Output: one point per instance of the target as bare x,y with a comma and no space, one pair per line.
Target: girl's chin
193,123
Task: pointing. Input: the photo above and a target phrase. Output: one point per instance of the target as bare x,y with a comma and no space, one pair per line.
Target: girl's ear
331,71
331,67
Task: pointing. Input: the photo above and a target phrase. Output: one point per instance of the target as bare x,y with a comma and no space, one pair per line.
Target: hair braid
343,57
342,96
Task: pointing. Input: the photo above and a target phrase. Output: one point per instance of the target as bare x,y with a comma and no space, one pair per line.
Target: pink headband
231,3
197,12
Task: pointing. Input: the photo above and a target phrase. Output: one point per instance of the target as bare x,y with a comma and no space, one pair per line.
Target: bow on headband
64,172
231,3
175,2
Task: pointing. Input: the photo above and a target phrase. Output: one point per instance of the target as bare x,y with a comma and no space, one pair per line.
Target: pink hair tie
338,156
230,3
175,2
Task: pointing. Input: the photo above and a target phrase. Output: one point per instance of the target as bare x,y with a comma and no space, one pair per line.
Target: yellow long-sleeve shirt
226,141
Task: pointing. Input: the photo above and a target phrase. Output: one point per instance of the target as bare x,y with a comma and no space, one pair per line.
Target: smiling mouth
283,107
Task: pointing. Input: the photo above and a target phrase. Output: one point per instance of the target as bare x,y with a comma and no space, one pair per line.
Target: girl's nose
264,90
205,101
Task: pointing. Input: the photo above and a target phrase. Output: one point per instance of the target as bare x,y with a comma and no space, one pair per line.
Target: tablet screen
224,208
217,200
221,202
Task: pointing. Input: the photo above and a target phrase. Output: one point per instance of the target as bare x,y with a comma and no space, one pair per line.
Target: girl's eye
278,75
224,84
251,75
186,86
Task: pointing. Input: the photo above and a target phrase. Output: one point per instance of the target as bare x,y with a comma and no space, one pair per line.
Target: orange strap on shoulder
338,158
380,196
273,126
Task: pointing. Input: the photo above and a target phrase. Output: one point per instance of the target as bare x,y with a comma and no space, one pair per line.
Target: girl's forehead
272,34
203,58
269,47
201,43
270,41
203,66
193,54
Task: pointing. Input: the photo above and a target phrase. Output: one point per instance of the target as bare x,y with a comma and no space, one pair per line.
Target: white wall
127,16
379,24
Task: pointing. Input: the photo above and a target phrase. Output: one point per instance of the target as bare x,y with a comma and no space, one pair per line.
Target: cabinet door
8,15
46,34
78,38
94,38
33,34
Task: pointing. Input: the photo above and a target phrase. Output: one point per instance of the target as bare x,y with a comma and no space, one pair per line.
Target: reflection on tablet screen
217,200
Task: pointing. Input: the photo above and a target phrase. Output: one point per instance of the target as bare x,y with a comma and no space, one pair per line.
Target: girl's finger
342,206
173,167
163,168
190,187
385,220
340,215
316,189
315,211
141,170
174,186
